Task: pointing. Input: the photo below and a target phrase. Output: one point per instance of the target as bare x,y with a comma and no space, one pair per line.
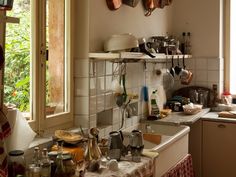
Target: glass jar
16,164
69,165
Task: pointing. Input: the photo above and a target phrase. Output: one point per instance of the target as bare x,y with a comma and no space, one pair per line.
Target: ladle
178,68
168,79
172,69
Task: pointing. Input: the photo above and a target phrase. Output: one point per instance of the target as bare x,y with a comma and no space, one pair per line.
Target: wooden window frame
41,123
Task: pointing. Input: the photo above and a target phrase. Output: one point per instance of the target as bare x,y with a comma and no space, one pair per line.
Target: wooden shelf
131,57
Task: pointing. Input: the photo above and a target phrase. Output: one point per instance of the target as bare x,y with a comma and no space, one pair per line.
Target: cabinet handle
221,126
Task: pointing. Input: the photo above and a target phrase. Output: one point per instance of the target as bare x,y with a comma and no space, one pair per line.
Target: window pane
18,60
55,71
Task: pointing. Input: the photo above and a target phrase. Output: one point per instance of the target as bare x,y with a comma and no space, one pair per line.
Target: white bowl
120,42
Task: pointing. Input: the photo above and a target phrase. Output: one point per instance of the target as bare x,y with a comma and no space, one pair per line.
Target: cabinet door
195,146
219,149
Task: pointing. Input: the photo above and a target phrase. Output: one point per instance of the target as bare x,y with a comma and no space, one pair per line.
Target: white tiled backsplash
96,106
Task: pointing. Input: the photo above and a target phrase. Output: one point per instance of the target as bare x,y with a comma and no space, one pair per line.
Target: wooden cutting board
153,138
227,114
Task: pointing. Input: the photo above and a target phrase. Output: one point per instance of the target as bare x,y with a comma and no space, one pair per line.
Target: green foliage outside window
17,54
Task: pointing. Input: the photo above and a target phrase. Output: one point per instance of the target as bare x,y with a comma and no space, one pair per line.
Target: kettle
116,147
136,145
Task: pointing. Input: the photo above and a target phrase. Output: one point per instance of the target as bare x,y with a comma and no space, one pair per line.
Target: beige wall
94,22
202,19
103,22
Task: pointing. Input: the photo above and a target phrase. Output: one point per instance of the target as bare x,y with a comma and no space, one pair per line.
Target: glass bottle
92,155
188,46
16,164
45,164
69,165
60,169
183,43
36,157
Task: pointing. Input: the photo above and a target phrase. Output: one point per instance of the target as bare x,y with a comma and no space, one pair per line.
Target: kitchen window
38,63
230,46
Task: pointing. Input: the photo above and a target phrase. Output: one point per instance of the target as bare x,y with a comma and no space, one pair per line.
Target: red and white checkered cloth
183,169
5,131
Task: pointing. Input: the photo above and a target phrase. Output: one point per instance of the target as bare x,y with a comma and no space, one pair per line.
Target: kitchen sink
172,147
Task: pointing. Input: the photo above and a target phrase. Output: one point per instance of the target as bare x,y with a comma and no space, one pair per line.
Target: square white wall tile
213,64
108,83
92,124
93,68
128,122
213,76
101,133
93,86
100,103
101,66
93,117
81,105
82,121
107,130
115,127
201,64
116,116
109,100
104,118
190,63
81,68
100,82
202,84
200,76
92,105
81,86
108,68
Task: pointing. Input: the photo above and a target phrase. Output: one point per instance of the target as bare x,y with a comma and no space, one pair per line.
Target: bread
67,136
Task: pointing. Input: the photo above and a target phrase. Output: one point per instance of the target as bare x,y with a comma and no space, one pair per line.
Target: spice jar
69,165
16,164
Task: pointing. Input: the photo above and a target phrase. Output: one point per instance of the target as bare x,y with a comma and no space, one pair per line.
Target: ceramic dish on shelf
120,42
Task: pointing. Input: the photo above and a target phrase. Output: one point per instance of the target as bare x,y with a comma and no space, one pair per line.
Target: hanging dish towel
5,131
183,169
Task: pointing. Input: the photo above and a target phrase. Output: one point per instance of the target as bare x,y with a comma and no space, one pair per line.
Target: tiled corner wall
81,92
206,72
95,102
209,71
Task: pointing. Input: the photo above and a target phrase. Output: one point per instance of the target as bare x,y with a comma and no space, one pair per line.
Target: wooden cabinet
195,146
219,149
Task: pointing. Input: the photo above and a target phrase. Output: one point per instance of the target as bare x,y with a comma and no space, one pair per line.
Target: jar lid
67,157
16,153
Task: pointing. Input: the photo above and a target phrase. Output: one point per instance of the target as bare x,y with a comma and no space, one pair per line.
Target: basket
191,111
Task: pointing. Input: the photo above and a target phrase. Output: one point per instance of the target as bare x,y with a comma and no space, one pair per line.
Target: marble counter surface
180,118
213,116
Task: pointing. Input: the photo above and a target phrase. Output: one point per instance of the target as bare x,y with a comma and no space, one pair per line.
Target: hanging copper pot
114,4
